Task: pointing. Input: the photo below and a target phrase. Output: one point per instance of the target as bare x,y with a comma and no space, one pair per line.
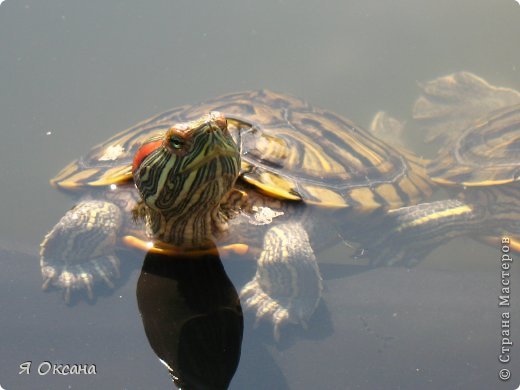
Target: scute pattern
485,154
291,150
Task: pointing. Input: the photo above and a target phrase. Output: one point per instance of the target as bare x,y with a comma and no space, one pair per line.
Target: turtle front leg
287,286
79,250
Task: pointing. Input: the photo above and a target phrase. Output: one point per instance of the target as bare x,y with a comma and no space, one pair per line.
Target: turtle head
184,174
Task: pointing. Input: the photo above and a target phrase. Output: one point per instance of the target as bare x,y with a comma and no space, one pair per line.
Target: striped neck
200,225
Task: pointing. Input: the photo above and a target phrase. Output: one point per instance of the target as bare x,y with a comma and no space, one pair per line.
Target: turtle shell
289,149
486,153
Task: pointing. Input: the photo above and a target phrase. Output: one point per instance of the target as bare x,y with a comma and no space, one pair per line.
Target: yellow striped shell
486,153
289,149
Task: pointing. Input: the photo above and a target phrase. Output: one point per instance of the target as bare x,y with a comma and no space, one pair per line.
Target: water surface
72,73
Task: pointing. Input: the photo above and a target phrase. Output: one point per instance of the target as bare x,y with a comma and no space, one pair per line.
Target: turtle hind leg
79,250
408,234
453,102
513,242
287,286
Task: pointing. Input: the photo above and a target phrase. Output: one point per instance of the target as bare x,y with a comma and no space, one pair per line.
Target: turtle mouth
218,152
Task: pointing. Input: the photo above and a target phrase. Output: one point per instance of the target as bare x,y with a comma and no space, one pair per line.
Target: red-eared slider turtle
262,169
478,164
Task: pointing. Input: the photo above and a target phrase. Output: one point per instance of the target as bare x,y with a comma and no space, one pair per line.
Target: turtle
263,173
478,165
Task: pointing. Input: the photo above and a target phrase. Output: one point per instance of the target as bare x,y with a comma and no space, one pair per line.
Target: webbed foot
287,286
453,103
79,250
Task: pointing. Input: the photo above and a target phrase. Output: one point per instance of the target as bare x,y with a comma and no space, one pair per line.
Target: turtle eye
176,142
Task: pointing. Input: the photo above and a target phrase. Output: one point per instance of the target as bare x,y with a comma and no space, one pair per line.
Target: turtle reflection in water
261,169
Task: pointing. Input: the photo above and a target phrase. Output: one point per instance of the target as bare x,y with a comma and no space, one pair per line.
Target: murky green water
72,73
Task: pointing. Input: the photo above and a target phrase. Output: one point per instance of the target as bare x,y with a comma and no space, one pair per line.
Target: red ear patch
143,152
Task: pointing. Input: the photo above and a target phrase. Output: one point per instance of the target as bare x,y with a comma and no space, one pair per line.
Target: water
73,73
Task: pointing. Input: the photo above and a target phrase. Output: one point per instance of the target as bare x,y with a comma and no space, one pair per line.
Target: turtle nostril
219,120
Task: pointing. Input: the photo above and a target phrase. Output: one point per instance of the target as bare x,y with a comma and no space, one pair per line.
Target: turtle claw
115,265
90,294
276,333
104,274
66,295
79,276
107,281
46,283
277,311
